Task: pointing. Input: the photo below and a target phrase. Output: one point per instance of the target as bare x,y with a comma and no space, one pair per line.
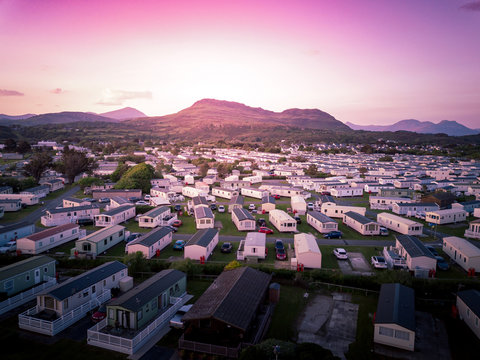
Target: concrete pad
345,266
358,262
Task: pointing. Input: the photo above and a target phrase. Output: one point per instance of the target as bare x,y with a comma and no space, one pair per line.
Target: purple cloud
471,6
4,92
57,91
118,97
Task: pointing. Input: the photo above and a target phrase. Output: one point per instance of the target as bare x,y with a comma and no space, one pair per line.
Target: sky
366,62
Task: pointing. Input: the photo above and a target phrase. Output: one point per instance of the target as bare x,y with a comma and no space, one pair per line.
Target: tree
232,265
203,168
75,162
10,145
138,177
386,158
37,165
119,171
89,181
23,147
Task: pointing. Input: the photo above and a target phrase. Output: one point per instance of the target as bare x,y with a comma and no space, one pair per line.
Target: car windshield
380,259
341,252
281,251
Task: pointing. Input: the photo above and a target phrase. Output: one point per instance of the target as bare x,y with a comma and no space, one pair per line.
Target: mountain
124,114
58,118
220,113
451,128
15,117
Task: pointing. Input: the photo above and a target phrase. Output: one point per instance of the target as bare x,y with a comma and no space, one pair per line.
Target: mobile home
62,216
254,192
447,216
463,252
201,244
99,241
115,216
151,243
268,203
307,251
224,193
282,221
416,255
243,220
254,246
298,204
400,224
337,211
154,217
321,222
236,203
49,238
361,224
204,218
468,309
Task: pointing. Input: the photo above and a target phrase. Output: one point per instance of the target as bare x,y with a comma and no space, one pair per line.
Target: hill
58,118
451,128
124,114
15,117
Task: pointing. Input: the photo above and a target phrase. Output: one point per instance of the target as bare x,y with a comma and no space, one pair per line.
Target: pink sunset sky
367,61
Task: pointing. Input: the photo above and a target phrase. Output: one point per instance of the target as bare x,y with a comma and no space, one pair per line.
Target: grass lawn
56,194
16,216
284,320
117,250
65,248
361,348
329,261
219,256
133,227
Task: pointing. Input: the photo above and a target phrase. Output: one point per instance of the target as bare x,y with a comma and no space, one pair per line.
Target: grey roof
151,288
396,305
471,298
157,211
243,214
202,237
85,280
120,200
320,217
15,226
117,210
203,212
20,267
327,198
413,246
73,208
472,202
268,199
72,199
152,237
199,200
233,298
358,217
8,201
420,204
237,199
37,188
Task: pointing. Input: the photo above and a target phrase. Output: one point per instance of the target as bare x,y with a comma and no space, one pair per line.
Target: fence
27,320
23,297
343,287
208,348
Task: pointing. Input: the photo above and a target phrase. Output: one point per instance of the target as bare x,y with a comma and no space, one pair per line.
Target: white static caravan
149,243
165,194
286,191
202,243
468,309
400,224
307,251
337,211
197,201
268,204
254,192
154,217
27,199
192,192
10,205
298,204
282,221
361,224
254,246
204,217
100,241
447,216
386,202
49,238
224,193
72,202
416,255
321,222
204,187
254,179
347,192
189,179
115,216
236,203
117,201
463,252
413,208
243,220
62,216
473,231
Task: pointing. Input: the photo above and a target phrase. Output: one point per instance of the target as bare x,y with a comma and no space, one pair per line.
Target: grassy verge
16,216
361,348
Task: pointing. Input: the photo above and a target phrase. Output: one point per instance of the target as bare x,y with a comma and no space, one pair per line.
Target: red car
100,314
177,223
280,254
276,196
265,230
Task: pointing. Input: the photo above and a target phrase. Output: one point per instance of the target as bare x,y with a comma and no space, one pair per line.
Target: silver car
176,321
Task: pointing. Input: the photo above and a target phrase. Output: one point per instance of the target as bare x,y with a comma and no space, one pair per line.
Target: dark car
104,200
173,228
85,222
261,222
297,219
279,244
132,237
178,207
432,250
442,264
179,245
134,199
333,235
226,248
280,254
213,207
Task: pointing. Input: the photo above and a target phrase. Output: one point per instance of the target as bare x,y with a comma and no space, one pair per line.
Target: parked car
132,237
265,230
104,200
176,321
221,208
280,254
310,206
134,198
179,245
177,207
383,231
432,250
276,196
340,253
226,248
333,235
442,264
9,247
251,207
141,203
326,193
279,244
85,222
147,197
378,262
100,314
177,223
213,207
297,219
88,199
261,222
420,215
173,228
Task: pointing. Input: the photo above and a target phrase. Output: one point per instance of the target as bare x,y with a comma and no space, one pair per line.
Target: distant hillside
124,114
451,128
15,117
218,114
58,118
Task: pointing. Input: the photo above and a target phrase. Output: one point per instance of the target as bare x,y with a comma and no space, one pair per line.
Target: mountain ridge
123,114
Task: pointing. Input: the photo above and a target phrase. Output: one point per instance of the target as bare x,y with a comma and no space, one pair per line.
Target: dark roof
268,199
151,288
326,198
233,298
320,217
72,199
413,246
117,210
440,195
15,226
358,217
199,200
396,305
20,267
203,212
120,200
237,199
156,211
471,298
83,281
471,202
202,237
152,237
417,204
242,214
73,208
7,201
36,188
52,231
